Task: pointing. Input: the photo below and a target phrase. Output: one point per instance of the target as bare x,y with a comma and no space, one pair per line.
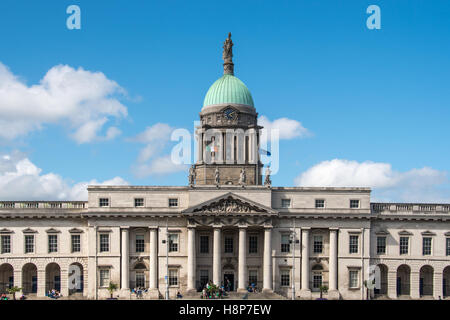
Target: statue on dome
191,175
227,56
267,180
242,177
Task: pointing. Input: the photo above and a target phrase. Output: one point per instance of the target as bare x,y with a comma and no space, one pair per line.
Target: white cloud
287,128
80,99
150,162
416,185
20,179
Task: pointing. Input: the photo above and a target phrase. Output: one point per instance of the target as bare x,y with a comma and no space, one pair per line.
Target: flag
264,152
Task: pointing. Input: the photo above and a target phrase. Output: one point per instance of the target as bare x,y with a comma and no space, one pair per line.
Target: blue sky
376,102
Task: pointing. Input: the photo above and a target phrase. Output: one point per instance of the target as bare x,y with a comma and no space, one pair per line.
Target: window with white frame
404,245
353,276
285,277
104,242
229,244
320,203
354,204
173,242
103,202
447,245
173,202
29,243
317,279
104,277
253,244
204,244
253,277
138,202
353,243
5,244
285,243
140,279
140,243
426,246
285,203
381,245
173,277
52,243
76,242
317,244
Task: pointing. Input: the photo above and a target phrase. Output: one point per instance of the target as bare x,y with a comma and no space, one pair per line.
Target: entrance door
399,286
34,284
57,281
228,281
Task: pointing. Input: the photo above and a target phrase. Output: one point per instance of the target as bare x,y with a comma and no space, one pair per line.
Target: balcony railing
43,204
400,208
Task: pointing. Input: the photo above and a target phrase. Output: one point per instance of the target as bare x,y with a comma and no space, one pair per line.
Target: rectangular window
285,243
76,243
285,203
204,277
447,246
139,202
173,202
285,280
140,280
140,244
103,202
404,245
353,278
253,244
426,246
173,277
317,280
52,243
353,244
253,277
29,243
104,242
6,244
173,242
204,244
104,277
354,204
320,203
381,245
228,245
318,244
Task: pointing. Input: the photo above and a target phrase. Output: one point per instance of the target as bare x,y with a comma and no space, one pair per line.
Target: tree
13,291
112,287
322,290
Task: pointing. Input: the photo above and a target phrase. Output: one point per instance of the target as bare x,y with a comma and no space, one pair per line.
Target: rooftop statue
227,56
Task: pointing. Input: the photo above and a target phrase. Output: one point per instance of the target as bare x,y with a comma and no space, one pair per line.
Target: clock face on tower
230,113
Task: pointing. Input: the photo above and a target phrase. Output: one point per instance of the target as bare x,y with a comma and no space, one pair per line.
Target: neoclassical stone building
227,225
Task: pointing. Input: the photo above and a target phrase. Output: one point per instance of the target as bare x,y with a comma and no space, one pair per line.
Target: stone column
124,256
242,277
217,256
305,291
392,284
333,267
191,260
437,285
414,287
200,145
153,258
267,280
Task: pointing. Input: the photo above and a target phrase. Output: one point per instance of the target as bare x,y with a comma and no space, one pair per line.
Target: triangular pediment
230,203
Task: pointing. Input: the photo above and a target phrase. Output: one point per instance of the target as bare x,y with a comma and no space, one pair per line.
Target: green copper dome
228,89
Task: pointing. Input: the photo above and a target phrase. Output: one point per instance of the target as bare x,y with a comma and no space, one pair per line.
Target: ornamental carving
229,205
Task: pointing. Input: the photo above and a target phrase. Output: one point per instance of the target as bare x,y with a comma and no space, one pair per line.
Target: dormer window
103,202
354,204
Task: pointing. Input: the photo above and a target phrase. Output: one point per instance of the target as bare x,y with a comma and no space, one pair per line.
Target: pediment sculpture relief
229,205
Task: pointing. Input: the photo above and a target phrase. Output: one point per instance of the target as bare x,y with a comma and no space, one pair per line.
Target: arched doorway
76,278
52,277
383,281
426,281
446,282
6,277
403,280
29,278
